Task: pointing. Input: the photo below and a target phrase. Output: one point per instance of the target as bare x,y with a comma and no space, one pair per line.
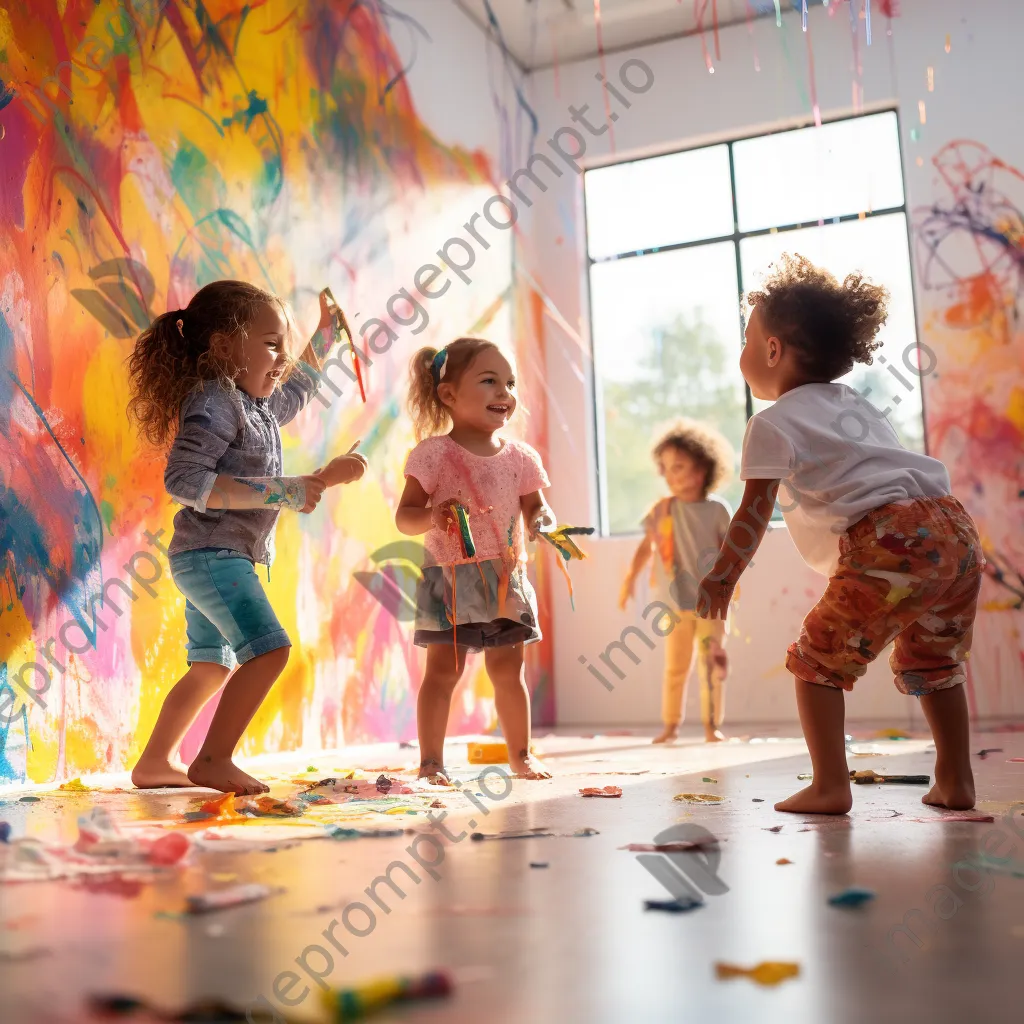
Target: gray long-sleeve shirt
224,431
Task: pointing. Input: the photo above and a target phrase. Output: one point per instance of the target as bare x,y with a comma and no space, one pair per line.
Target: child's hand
314,491
713,597
542,522
443,515
345,469
626,593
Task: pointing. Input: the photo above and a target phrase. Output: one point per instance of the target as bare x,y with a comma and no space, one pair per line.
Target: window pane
666,344
813,174
878,247
681,197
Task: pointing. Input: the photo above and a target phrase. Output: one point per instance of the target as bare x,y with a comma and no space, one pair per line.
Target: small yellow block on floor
490,753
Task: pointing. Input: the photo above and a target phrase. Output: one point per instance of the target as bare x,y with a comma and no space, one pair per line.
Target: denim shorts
227,614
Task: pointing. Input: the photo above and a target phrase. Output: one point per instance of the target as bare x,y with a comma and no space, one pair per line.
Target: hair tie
439,365
180,324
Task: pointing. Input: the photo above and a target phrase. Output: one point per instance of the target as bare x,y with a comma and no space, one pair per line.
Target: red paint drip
699,7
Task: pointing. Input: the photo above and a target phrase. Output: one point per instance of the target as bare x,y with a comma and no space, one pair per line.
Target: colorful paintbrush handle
465,534
353,1003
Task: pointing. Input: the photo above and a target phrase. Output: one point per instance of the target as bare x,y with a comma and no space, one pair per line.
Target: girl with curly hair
902,554
214,382
685,531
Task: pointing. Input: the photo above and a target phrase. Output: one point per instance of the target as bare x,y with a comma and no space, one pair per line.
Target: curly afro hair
703,444
831,325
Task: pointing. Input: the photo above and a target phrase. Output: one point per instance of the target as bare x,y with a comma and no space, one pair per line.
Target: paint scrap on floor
870,777
224,899
676,906
852,897
604,791
698,798
981,818
769,972
533,833
352,1003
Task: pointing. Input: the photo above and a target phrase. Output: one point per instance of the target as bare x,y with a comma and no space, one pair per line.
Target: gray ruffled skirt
480,618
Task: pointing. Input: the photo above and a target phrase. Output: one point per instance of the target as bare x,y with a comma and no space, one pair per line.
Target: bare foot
956,795
713,736
159,774
667,735
225,775
528,767
434,772
819,800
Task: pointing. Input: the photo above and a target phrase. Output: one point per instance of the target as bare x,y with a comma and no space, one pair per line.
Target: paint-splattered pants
909,572
707,637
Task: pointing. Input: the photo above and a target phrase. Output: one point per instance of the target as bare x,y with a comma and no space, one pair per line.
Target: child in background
483,602
213,379
902,554
686,530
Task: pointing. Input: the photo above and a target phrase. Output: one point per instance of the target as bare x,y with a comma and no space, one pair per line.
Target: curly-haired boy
685,530
902,554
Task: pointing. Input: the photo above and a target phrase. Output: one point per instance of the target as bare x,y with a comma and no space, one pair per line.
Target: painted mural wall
148,147
962,163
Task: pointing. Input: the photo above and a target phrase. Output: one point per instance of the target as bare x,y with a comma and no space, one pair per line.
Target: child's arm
746,530
537,513
414,516
301,493
209,423
304,380
323,337
640,558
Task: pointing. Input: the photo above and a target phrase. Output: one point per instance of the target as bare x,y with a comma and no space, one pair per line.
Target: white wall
686,106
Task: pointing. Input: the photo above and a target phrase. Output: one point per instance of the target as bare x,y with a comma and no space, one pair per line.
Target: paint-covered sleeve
534,477
210,421
650,520
295,393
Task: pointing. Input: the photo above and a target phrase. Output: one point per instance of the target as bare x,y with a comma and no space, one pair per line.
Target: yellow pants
708,637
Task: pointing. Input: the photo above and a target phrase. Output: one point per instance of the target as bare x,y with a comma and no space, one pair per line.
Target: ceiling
541,33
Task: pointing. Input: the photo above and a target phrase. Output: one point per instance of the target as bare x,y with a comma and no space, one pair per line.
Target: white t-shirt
838,458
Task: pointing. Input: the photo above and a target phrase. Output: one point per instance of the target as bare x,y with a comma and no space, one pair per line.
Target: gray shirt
698,531
225,431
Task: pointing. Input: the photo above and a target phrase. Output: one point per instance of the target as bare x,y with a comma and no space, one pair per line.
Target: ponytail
429,366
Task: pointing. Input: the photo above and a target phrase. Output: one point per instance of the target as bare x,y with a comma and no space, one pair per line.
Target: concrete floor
570,942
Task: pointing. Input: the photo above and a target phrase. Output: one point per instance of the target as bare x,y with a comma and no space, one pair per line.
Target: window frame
736,237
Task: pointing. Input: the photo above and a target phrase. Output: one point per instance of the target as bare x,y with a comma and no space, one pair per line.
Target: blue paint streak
23,536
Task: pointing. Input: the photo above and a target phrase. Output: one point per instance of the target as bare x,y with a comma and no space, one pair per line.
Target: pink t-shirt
446,470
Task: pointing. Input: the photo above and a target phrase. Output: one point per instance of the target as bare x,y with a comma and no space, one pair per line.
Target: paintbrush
869,778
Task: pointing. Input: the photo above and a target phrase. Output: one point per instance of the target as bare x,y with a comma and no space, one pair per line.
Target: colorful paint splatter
970,257
149,148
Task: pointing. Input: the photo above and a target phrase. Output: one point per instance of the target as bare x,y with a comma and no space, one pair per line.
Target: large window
674,241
